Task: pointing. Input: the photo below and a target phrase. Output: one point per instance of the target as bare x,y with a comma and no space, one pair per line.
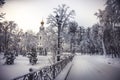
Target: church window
40,37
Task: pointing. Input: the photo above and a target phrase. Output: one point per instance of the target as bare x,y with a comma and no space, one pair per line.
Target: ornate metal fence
48,72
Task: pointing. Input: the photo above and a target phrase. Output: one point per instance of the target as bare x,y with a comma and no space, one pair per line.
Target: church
42,40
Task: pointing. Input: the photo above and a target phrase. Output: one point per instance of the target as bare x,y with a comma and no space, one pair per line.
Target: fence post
31,74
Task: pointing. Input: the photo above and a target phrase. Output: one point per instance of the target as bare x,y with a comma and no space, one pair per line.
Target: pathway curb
64,73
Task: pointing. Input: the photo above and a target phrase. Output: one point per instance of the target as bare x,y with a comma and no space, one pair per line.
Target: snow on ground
115,62
86,67
21,66
83,65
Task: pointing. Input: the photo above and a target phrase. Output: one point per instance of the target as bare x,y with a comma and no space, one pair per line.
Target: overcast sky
28,13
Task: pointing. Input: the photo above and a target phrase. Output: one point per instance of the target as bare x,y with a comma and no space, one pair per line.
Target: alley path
93,68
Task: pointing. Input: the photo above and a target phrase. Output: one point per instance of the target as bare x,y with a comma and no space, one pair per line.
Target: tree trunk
103,46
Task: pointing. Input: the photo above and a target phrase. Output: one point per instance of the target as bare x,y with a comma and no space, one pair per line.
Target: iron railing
48,72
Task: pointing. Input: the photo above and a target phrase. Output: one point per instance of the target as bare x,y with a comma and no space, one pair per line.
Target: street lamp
59,29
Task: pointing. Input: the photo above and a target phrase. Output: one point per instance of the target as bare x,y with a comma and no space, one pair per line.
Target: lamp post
59,29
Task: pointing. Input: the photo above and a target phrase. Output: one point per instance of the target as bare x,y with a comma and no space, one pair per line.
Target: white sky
28,13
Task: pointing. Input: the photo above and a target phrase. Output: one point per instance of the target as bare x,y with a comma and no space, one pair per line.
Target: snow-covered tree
7,33
29,40
65,15
2,2
109,22
60,19
52,42
72,32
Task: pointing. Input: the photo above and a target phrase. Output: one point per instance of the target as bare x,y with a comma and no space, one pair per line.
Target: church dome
42,23
42,27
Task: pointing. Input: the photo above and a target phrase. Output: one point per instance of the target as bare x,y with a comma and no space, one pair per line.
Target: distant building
42,40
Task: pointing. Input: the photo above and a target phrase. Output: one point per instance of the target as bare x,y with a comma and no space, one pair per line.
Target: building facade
42,40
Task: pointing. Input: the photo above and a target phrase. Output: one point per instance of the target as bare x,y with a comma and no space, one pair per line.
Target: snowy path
93,68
